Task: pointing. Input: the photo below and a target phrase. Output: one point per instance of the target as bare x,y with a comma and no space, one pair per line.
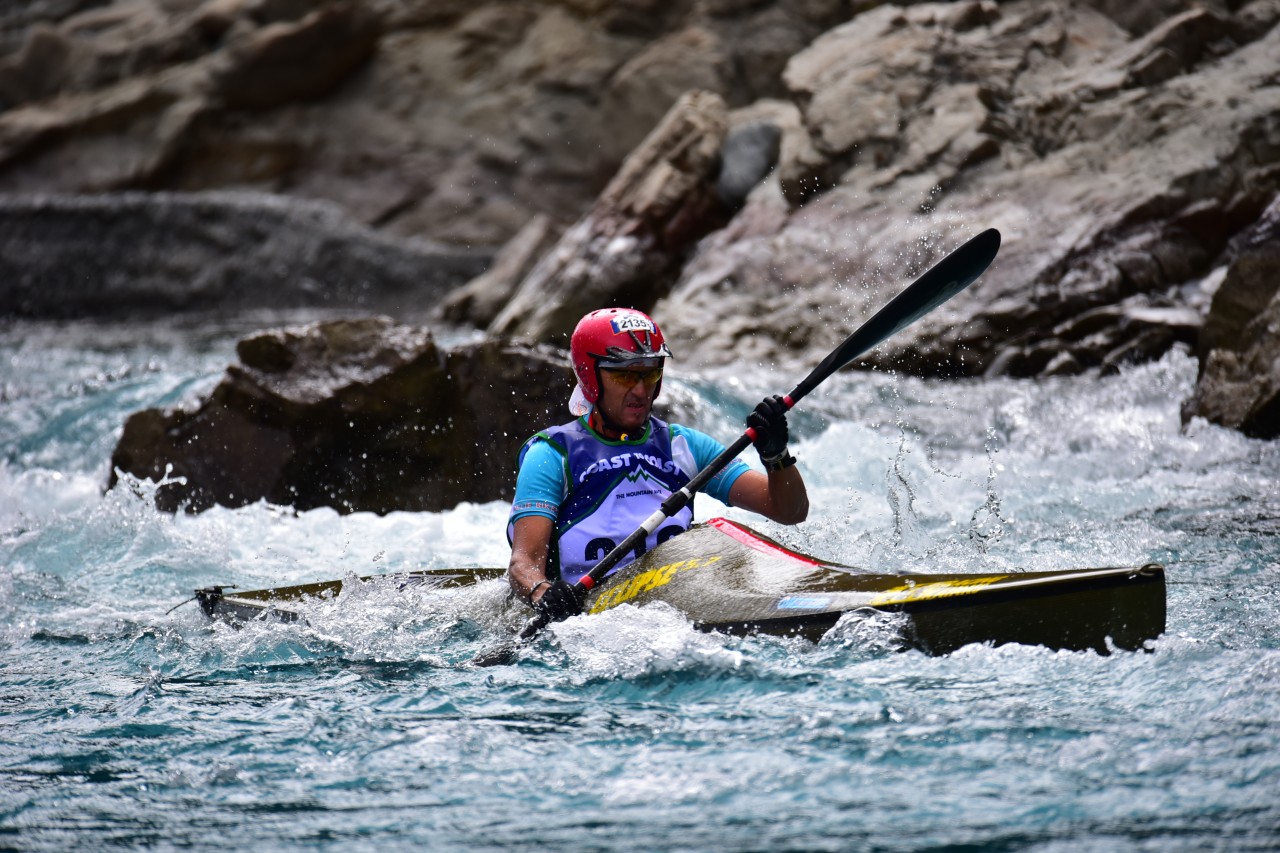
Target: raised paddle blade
942,281
939,283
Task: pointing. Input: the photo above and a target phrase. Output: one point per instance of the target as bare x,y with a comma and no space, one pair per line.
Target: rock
457,122
359,415
1140,18
40,69
478,302
1115,187
627,250
1239,383
1120,148
750,152
126,135
297,60
133,254
644,90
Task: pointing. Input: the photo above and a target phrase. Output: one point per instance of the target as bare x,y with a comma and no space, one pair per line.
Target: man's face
627,393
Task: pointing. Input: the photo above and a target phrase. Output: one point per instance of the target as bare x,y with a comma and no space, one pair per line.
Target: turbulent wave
130,723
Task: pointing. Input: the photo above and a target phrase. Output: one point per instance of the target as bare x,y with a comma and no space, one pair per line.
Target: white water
126,725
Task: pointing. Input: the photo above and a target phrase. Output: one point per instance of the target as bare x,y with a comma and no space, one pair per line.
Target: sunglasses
629,378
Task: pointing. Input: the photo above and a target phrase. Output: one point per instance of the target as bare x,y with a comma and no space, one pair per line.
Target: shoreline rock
1121,151
1239,382
132,255
629,247
360,415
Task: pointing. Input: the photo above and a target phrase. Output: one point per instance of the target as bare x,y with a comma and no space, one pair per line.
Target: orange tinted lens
628,378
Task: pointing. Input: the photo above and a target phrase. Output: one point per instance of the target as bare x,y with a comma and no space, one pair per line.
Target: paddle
942,281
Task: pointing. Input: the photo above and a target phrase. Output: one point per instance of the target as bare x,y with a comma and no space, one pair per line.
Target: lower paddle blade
498,656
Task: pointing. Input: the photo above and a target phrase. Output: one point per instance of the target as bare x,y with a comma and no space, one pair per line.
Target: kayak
725,577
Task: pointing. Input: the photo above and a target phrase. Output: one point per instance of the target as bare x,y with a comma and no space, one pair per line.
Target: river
125,724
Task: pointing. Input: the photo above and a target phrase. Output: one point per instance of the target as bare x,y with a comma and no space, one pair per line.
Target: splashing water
126,725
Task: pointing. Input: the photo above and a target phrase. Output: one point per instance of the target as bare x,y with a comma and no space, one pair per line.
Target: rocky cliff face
609,152
1118,170
446,120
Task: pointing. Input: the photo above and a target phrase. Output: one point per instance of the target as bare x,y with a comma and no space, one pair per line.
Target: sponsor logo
631,323
627,460
935,589
645,581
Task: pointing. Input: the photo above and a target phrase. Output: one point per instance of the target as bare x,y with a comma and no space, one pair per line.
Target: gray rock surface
124,255
628,248
1117,169
445,120
1126,152
1239,383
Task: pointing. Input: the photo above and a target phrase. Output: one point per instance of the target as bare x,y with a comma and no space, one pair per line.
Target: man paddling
586,485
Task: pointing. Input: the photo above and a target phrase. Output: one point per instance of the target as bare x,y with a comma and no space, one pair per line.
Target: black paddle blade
506,653
497,656
942,281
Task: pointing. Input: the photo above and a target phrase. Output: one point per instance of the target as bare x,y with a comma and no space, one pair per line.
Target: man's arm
779,495
530,543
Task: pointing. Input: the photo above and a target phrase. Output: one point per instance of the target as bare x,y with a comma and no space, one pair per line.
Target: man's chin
635,422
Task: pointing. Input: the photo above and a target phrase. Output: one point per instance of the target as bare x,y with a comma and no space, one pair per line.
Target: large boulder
1239,384
131,254
296,60
360,415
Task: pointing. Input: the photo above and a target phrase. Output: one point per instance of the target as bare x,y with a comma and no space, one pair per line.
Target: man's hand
559,602
769,420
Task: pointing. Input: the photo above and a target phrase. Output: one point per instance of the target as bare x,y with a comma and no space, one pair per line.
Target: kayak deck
725,577
741,582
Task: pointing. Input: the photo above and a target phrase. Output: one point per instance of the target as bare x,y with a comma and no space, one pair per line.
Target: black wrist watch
781,462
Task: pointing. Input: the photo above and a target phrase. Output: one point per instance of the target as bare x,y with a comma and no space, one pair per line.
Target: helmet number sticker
631,323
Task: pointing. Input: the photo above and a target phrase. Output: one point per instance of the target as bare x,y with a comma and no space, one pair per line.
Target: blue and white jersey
598,491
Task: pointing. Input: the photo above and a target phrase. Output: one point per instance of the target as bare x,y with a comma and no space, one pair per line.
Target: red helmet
613,336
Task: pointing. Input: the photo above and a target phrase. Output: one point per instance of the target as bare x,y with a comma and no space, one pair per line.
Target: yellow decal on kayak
934,589
645,581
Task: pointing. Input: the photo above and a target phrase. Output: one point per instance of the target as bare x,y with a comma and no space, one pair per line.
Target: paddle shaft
939,283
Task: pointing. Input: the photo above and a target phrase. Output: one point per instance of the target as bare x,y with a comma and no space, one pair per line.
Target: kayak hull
728,578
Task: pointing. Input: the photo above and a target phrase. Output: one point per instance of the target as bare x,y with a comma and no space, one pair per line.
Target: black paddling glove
769,420
559,602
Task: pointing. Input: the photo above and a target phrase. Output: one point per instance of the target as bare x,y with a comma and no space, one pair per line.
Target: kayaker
586,485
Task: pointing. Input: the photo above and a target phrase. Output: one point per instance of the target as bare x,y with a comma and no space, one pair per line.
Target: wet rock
39,70
135,254
1239,383
359,415
1101,340
749,154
